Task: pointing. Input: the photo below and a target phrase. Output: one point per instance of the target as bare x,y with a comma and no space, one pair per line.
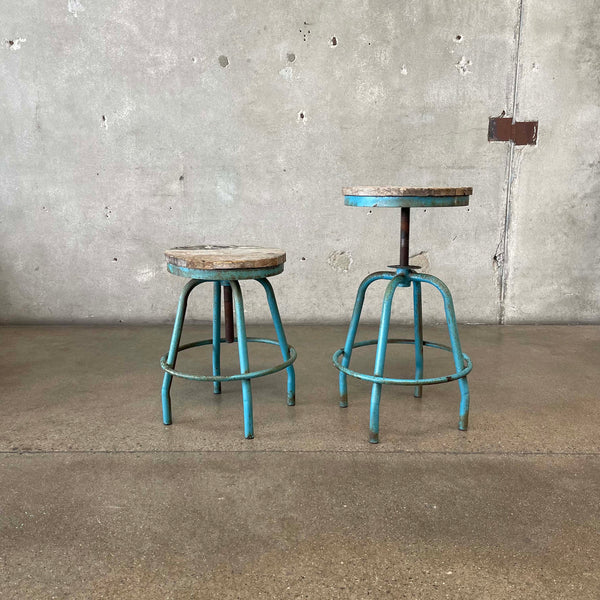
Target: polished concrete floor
99,500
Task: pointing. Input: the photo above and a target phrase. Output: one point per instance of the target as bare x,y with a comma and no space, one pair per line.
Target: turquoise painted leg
244,364
463,419
418,318
382,341
285,351
216,343
172,357
358,305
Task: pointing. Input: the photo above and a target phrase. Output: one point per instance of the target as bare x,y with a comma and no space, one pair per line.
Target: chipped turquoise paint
168,361
347,351
462,363
291,388
406,201
224,274
216,340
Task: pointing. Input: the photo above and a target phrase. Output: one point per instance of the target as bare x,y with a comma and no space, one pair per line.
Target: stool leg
459,363
418,318
358,305
382,341
244,364
172,357
216,341
285,351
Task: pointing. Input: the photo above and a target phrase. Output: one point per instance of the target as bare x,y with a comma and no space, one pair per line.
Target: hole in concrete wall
115,259
223,61
302,116
181,178
303,258
458,38
333,41
14,44
291,57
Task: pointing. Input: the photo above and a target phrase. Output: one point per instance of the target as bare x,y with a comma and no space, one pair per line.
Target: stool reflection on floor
225,266
405,275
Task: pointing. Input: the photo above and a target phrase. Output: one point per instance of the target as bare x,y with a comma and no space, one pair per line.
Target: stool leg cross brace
405,276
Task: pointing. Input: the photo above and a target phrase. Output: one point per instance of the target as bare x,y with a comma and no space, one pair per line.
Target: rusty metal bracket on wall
503,129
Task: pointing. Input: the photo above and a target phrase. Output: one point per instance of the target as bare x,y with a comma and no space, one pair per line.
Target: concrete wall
132,126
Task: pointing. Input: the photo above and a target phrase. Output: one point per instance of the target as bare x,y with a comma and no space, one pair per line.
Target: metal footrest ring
429,381
238,376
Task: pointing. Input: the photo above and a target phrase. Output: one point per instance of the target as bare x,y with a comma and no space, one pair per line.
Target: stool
405,275
225,266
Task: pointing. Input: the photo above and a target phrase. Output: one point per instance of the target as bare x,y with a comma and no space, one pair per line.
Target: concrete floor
99,500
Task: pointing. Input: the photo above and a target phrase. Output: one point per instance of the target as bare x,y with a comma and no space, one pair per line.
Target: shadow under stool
405,275
225,267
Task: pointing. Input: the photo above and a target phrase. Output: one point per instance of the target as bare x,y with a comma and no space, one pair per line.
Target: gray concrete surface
99,500
132,127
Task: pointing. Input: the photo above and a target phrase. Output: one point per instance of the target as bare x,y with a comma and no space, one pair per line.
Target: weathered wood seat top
207,257
384,190
397,197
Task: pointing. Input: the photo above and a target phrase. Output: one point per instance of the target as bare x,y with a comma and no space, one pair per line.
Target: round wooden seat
210,258
404,197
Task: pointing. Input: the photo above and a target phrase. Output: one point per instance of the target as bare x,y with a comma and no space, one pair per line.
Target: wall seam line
511,174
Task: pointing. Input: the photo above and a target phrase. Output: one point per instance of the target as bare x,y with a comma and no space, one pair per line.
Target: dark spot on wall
458,38
223,61
333,41
181,178
301,115
115,259
291,57
104,118
303,258
10,43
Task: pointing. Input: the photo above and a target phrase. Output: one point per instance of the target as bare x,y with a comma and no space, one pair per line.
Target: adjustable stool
405,275
225,266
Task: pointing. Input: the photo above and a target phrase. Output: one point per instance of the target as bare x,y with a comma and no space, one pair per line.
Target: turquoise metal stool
405,275
225,266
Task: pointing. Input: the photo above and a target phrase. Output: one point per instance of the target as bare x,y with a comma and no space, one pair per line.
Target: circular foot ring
238,376
374,379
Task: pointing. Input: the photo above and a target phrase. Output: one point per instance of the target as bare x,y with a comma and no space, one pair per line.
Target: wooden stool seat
404,197
208,258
